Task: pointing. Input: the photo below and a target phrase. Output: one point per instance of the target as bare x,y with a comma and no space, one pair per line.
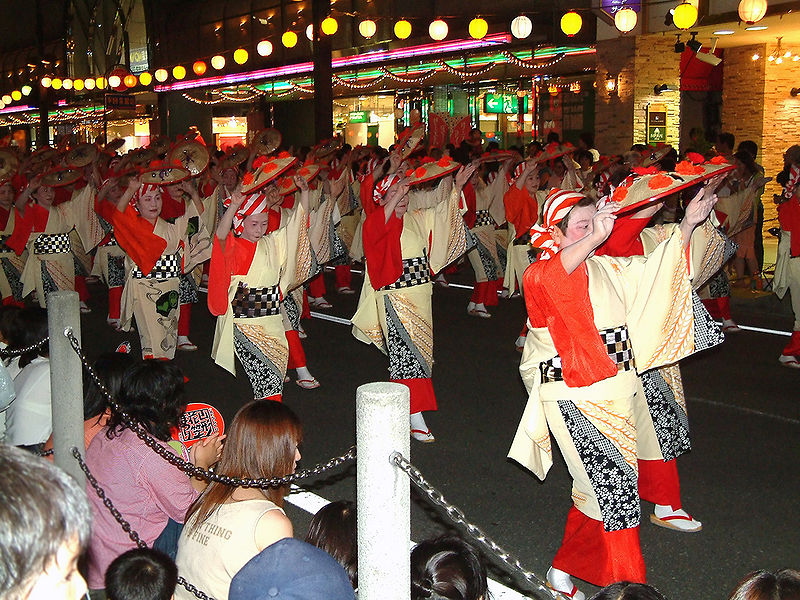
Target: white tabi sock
562,582
302,373
418,421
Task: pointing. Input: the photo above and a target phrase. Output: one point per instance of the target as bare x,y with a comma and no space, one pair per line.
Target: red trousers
184,319
793,347
422,396
343,276
316,286
485,292
659,483
719,308
114,301
297,357
80,287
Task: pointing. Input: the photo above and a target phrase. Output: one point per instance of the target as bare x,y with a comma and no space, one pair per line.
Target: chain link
458,517
184,465
126,527
6,353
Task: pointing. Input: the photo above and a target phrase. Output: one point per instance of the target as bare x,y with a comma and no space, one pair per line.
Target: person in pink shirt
150,493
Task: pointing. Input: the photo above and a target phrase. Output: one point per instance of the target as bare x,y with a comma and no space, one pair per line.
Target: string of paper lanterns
526,64
407,78
465,73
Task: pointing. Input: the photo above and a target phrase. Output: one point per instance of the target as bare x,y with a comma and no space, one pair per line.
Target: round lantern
16,95
6,99
114,81
752,11
77,84
437,30
684,15
625,19
26,90
264,48
402,29
571,23
89,83
199,68
46,81
161,75
218,62
130,81
179,72
145,78
240,56
367,28
101,83
329,26
521,27
289,39
478,28
310,32
67,84
56,84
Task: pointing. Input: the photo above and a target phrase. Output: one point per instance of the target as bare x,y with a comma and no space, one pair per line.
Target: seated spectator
333,529
110,368
29,421
44,528
447,568
150,493
141,574
227,525
293,570
625,590
763,585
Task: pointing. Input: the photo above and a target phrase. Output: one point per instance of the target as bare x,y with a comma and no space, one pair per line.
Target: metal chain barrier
184,465
6,353
126,527
457,516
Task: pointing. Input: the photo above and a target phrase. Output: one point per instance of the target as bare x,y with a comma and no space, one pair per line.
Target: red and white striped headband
143,189
794,179
556,207
383,186
254,204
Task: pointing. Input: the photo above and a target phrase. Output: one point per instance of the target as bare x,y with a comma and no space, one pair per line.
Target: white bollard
66,381
384,492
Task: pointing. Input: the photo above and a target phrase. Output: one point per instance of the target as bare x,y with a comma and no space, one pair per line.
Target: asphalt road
740,479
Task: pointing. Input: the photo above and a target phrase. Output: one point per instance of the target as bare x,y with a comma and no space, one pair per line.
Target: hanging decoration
684,15
335,79
526,64
407,78
402,29
367,28
521,27
752,11
465,73
571,23
438,30
625,19
478,28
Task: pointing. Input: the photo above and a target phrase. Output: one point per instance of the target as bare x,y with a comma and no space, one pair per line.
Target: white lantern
437,30
625,19
521,27
752,11
367,28
310,32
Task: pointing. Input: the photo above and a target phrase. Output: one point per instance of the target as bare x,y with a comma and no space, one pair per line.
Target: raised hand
465,173
603,223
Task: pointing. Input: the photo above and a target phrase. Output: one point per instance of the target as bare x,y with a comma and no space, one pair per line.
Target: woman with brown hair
227,525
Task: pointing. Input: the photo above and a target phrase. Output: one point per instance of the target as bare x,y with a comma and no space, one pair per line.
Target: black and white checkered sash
3,246
618,346
415,272
167,267
249,303
482,217
55,243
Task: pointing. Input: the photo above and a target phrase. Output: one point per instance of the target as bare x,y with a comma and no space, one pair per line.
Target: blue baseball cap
291,570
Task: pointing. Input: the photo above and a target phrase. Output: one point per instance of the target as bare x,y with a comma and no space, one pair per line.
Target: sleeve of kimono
86,223
320,222
658,298
198,239
294,250
497,190
729,209
448,236
23,227
219,275
382,248
136,237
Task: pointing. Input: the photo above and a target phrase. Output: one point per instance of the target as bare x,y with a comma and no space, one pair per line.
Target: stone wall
742,86
657,63
613,124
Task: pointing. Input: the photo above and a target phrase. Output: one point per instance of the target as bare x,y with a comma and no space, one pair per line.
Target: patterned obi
3,247
56,243
249,303
415,272
166,267
482,217
618,346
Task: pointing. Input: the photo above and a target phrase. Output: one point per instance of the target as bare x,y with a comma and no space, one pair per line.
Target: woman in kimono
250,274
12,265
109,258
485,212
158,253
402,248
787,269
594,321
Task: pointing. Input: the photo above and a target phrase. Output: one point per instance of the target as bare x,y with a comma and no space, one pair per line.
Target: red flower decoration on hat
659,181
444,163
651,170
718,160
420,172
695,157
260,161
619,194
284,154
686,167
409,172
269,167
248,178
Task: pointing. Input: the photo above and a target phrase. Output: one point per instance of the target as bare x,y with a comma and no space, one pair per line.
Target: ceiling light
724,32
755,28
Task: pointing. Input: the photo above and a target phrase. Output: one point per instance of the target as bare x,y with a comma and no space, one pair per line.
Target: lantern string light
466,73
356,86
406,78
526,64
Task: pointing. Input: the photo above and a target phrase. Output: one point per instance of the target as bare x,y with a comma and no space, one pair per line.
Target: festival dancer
11,265
157,253
522,201
787,269
249,276
402,248
582,383
109,258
